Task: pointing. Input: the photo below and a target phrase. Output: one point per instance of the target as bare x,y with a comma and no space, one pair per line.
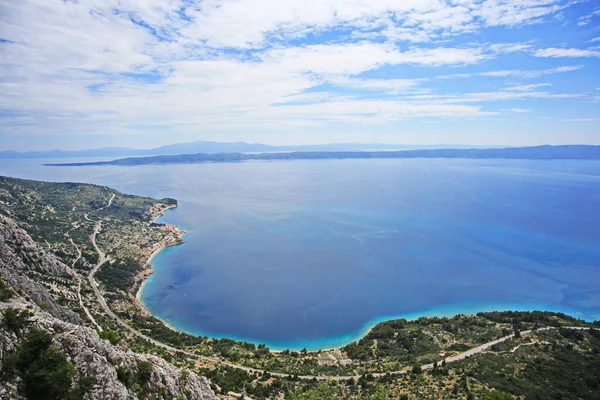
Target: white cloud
555,52
358,57
586,19
481,97
510,47
518,110
527,88
390,85
518,73
510,13
249,23
103,67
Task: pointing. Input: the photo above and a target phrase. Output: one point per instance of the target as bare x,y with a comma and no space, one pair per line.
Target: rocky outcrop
99,359
24,266
23,263
21,252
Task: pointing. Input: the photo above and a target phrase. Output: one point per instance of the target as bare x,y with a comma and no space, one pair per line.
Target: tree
83,385
111,336
45,370
497,395
50,376
322,391
380,394
144,372
14,319
36,342
125,375
6,293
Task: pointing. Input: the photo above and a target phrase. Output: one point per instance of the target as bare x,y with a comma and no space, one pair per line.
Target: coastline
447,311
444,311
143,276
338,342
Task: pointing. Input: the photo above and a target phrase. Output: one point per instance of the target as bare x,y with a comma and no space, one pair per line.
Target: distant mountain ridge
580,152
210,148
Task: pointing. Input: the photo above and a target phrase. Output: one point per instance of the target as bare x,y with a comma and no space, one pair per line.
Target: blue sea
310,254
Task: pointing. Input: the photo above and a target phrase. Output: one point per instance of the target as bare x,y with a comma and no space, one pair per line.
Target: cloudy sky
142,73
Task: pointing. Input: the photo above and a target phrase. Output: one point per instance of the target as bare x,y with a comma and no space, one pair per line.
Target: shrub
45,370
125,375
6,293
144,372
496,395
111,336
49,376
14,319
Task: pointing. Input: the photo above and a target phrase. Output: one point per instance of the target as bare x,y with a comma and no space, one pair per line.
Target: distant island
577,152
201,146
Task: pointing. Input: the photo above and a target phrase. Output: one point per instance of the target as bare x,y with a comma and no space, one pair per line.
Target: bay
310,254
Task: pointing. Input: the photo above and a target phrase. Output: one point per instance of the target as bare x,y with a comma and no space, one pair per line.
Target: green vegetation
126,208
322,392
46,373
6,293
227,379
144,372
111,336
15,320
46,209
561,364
119,275
531,319
392,344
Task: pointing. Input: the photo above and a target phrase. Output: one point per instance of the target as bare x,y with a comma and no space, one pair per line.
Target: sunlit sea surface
311,253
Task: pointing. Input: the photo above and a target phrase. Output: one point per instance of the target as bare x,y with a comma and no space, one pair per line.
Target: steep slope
24,264
105,364
28,276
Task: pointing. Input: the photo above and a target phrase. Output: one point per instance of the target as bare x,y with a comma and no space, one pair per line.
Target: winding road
102,259
83,307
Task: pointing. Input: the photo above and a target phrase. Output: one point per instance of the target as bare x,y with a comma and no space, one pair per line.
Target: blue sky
143,73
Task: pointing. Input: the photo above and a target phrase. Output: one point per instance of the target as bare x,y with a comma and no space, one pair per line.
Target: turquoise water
313,253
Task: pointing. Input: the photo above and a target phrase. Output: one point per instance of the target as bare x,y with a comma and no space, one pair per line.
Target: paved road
102,259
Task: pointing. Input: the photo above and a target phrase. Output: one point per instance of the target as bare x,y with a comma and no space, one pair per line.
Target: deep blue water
310,253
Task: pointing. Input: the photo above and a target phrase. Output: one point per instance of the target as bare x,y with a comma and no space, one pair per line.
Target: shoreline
445,311
145,274
337,343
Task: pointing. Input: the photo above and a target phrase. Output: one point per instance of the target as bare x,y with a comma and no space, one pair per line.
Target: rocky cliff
32,273
101,361
24,264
